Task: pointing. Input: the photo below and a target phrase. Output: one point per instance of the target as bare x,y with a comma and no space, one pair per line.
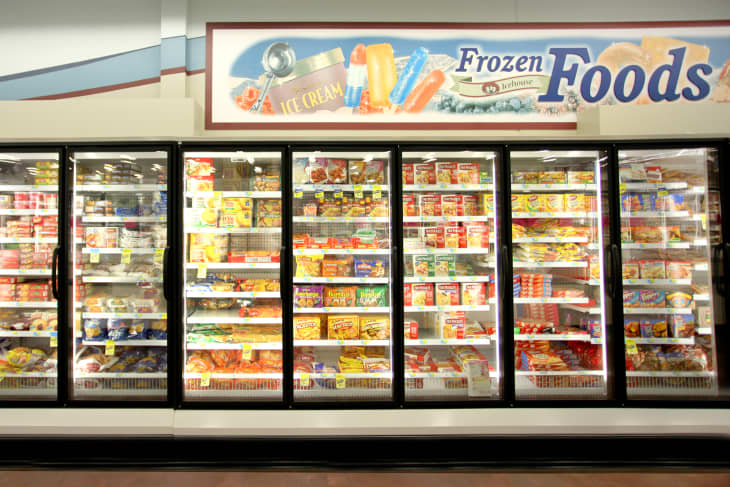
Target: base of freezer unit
233,389
28,388
128,388
560,387
354,389
662,387
436,389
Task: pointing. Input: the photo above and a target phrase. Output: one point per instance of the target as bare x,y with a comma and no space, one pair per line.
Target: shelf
581,300
553,187
30,240
341,219
657,245
657,311
225,316
118,250
583,309
37,375
659,282
28,304
37,212
347,375
118,188
339,343
519,264
213,375
574,280
25,272
330,188
127,343
124,219
559,372
233,231
141,316
658,186
448,187
121,375
234,265
477,251
476,218
554,214
41,188
550,240
236,194
341,251
120,280
669,373
655,214
563,337
233,346
448,279
27,334
349,309
232,294
341,280
662,341
448,341
463,307
442,375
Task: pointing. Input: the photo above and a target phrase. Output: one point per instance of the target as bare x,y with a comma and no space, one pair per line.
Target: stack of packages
536,346
537,286
544,361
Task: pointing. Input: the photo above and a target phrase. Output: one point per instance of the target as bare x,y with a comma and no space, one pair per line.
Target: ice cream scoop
278,61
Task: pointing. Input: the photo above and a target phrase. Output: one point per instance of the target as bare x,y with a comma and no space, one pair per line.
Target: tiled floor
360,479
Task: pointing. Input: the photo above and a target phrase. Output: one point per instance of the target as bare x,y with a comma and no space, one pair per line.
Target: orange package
199,362
343,327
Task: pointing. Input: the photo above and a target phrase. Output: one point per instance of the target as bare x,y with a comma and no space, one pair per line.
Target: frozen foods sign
465,76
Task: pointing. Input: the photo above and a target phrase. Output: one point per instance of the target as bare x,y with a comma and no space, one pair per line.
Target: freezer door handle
54,273
502,266
616,273
719,254
165,280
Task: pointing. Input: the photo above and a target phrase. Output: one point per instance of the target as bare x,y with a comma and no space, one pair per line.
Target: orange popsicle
424,91
381,73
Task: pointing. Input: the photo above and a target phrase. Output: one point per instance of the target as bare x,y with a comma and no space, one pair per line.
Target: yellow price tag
340,381
358,191
631,347
622,188
319,194
94,257
202,271
304,380
338,195
205,379
298,193
109,347
159,255
246,349
126,256
217,198
54,341
377,192
663,192
703,218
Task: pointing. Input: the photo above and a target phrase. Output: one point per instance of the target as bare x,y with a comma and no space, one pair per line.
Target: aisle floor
365,479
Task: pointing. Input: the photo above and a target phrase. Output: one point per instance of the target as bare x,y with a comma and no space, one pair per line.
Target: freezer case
233,313
28,310
342,269
451,314
670,222
120,236
560,310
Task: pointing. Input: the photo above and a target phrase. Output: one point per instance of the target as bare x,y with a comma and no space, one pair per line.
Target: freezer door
232,347
341,228
559,230
118,243
28,309
450,255
671,236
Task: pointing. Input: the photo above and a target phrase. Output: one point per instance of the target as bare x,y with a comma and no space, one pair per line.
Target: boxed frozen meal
306,328
446,173
371,296
421,294
552,177
452,205
407,173
652,269
535,203
468,173
649,298
679,270
236,219
630,270
367,267
374,327
430,205
679,300
682,326
488,203
424,173
410,329
452,325
473,293
654,328
343,327
631,298
575,202
409,205
423,265
519,203
435,237
254,256
202,217
339,296
477,236
200,174
337,266
454,237
444,265
580,177
208,247
447,294
632,327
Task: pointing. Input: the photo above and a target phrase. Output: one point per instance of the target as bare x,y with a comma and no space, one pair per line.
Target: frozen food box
575,202
300,170
477,236
652,269
580,177
422,294
207,201
430,205
552,177
649,298
208,247
343,327
682,326
679,300
424,173
236,219
374,327
488,203
468,172
409,205
446,173
435,237
654,328
452,325
632,327
307,328
447,294
202,217
452,205
535,203
631,298
473,293
444,265
630,270
423,265
407,173
679,270
525,177
455,237
410,329
554,202
200,174
519,203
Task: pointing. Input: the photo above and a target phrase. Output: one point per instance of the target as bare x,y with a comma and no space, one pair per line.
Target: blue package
137,330
117,329
157,330
94,330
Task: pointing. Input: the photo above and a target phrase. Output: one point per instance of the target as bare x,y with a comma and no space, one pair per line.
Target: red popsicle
424,91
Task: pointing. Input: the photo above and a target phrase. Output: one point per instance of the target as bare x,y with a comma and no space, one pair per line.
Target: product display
233,312
341,258
28,310
449,271
120,239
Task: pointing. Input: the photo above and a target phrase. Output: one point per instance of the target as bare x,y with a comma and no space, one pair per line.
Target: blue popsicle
409,76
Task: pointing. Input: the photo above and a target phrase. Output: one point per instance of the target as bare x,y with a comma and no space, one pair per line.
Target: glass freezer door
233,314
119,232
558,217
670,222
451,313
28,310
342,270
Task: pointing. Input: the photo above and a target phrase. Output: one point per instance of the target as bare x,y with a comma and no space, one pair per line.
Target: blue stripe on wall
195,54
172,52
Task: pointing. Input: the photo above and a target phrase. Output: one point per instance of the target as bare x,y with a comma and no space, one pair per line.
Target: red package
446,173
435,237
407,295
410,328
407,173
336,171
468,173
447,294
422,294
430,205
424,173
452,205
455,237
409,205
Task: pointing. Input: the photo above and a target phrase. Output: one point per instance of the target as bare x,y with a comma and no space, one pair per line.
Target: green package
372,296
